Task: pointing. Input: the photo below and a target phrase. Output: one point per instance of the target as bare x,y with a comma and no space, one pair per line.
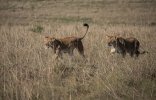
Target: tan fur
65,45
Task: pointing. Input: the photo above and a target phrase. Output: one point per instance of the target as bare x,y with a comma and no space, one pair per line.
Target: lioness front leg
58,52
80,49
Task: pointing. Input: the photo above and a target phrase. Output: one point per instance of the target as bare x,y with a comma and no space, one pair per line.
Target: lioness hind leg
132,53
137,53
80,48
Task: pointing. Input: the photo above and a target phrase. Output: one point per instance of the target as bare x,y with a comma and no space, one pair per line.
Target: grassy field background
29,72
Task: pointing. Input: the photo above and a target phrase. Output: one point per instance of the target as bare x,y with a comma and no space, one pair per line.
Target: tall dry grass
29,72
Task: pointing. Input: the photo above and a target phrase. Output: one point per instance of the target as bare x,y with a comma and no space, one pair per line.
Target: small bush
37,29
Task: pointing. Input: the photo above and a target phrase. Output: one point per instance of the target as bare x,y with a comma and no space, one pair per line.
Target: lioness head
49,41
112,43
112,40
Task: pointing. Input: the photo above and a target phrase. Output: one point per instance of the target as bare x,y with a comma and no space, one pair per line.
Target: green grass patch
37,29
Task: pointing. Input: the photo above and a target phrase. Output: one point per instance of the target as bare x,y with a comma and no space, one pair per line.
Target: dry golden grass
29,72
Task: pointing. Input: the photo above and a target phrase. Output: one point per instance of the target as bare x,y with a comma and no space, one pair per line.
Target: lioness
66,45
124,45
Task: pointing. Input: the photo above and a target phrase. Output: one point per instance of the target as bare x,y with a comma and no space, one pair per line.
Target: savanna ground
29,72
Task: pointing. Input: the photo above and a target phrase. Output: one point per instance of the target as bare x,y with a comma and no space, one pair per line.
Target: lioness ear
46,36
54,39
108,36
